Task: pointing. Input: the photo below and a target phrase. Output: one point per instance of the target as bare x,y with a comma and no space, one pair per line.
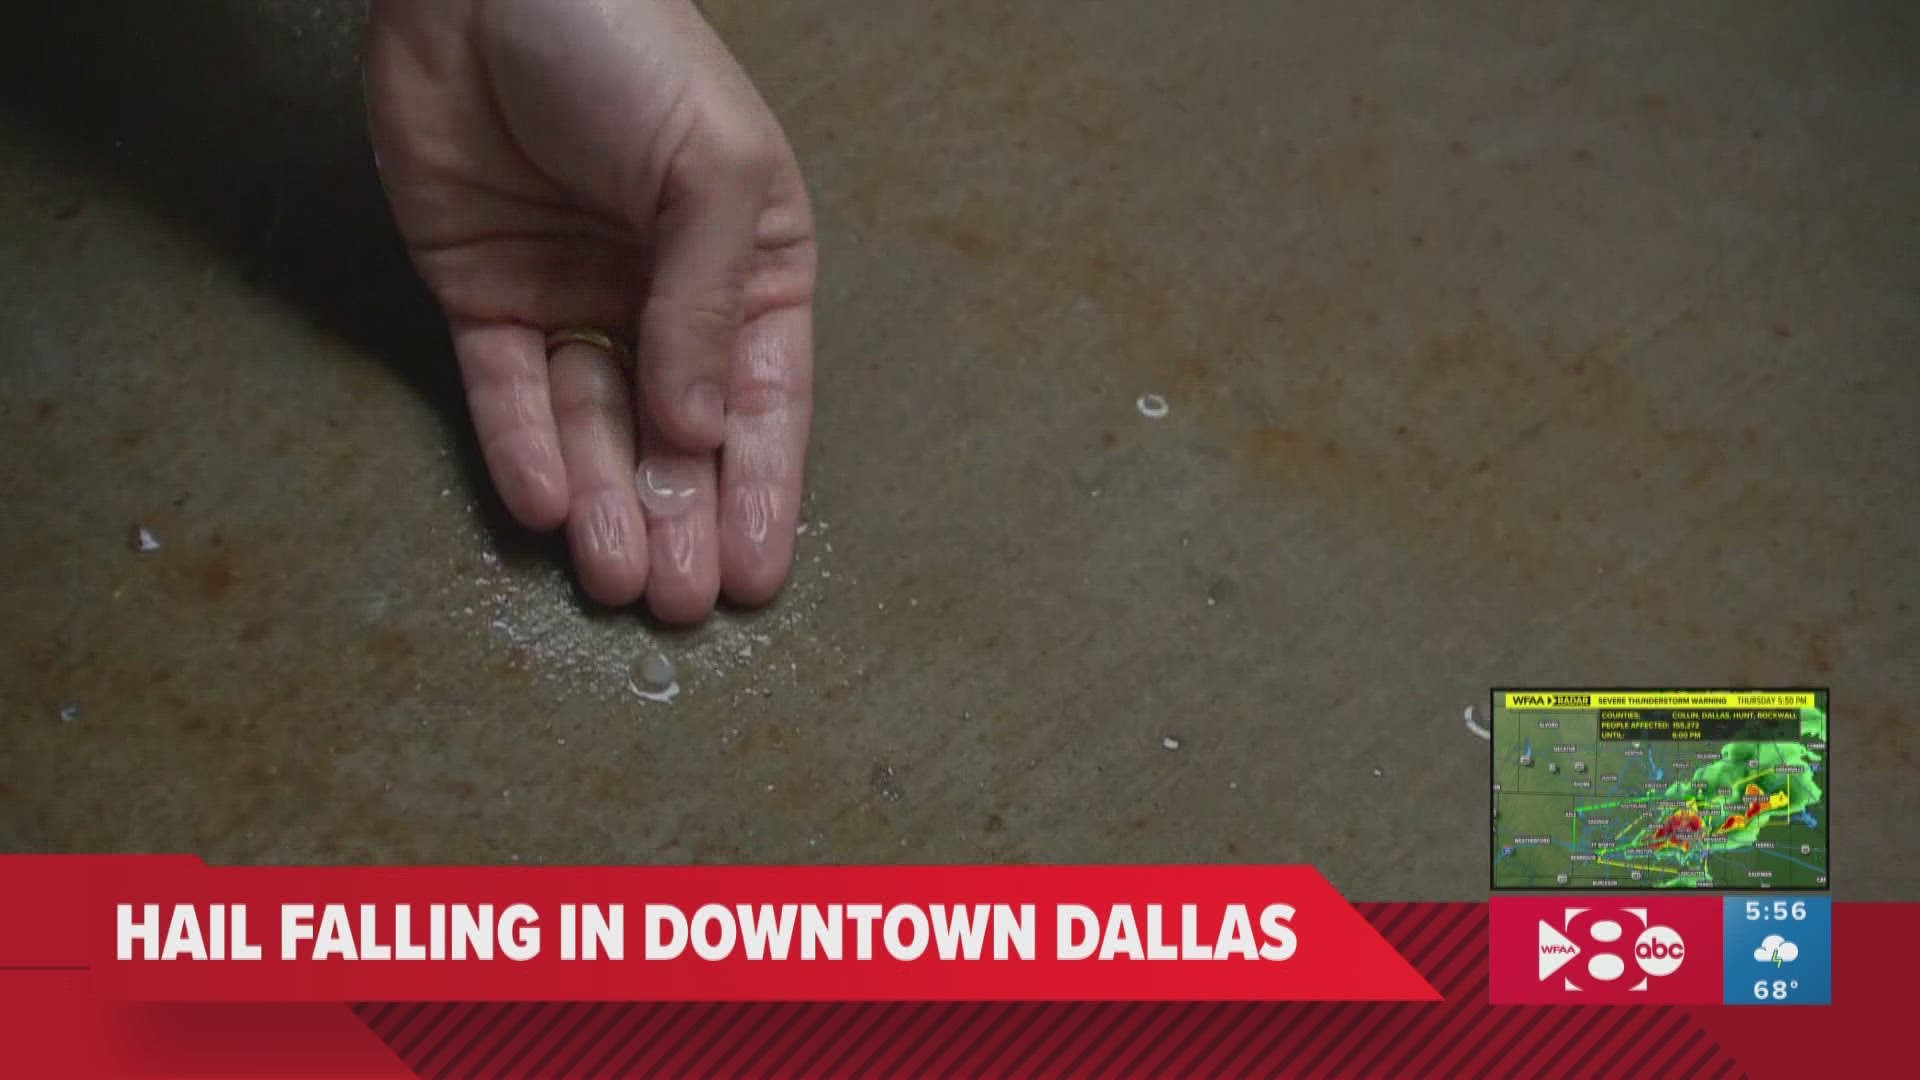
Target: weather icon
1776,950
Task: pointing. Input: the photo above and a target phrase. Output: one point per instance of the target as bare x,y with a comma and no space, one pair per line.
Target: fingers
505,370
677,495
689,326
770,408
770,400
605,530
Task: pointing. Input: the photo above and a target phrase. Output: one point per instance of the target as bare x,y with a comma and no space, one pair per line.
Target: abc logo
1659,950
1590,948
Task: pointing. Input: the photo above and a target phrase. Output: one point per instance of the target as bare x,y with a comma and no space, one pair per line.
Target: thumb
690,323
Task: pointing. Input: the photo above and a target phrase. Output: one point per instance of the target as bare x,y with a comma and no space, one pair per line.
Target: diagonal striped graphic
1447,943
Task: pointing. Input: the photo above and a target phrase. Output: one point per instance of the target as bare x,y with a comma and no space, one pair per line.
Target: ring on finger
599,339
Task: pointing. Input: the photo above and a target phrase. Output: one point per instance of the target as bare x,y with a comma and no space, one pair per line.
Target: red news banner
174,929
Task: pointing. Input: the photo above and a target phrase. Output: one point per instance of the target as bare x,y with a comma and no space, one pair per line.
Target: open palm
564,166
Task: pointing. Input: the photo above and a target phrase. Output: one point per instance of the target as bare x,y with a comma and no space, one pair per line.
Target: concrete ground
1531,342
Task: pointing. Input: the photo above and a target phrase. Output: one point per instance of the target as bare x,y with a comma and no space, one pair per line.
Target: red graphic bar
56,1021
731,933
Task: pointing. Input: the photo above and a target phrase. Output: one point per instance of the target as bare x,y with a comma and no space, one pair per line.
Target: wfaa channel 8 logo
1550,951
1592,947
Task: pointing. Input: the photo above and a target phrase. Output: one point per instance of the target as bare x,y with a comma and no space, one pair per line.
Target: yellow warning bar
1574,700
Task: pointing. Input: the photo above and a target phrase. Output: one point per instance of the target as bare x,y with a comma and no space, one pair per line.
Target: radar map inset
1658,789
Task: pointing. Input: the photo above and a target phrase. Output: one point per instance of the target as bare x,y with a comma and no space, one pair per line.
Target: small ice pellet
144,541
69,713
1151,406
1378,771
1170,743
656,671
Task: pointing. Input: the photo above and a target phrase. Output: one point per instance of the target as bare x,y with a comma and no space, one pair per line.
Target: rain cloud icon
1776,950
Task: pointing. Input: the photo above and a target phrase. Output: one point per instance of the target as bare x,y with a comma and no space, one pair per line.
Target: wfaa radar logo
1604,952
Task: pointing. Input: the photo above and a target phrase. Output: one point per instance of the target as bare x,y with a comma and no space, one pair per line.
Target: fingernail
706,407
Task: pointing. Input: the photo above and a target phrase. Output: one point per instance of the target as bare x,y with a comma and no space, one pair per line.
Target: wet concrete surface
1525,344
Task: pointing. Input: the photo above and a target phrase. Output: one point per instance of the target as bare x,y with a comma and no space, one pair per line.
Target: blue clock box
1779,950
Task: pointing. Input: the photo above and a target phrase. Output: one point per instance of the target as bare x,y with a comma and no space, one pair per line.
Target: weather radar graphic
1660,789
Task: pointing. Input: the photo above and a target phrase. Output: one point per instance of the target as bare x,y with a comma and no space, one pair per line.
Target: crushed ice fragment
1476,728
655,671
658,697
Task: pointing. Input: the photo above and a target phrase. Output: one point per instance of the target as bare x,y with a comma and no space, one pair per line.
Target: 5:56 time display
1776,911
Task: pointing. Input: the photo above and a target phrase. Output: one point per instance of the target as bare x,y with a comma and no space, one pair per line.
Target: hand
605,164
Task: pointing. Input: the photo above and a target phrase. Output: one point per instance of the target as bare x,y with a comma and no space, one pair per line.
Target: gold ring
599,339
